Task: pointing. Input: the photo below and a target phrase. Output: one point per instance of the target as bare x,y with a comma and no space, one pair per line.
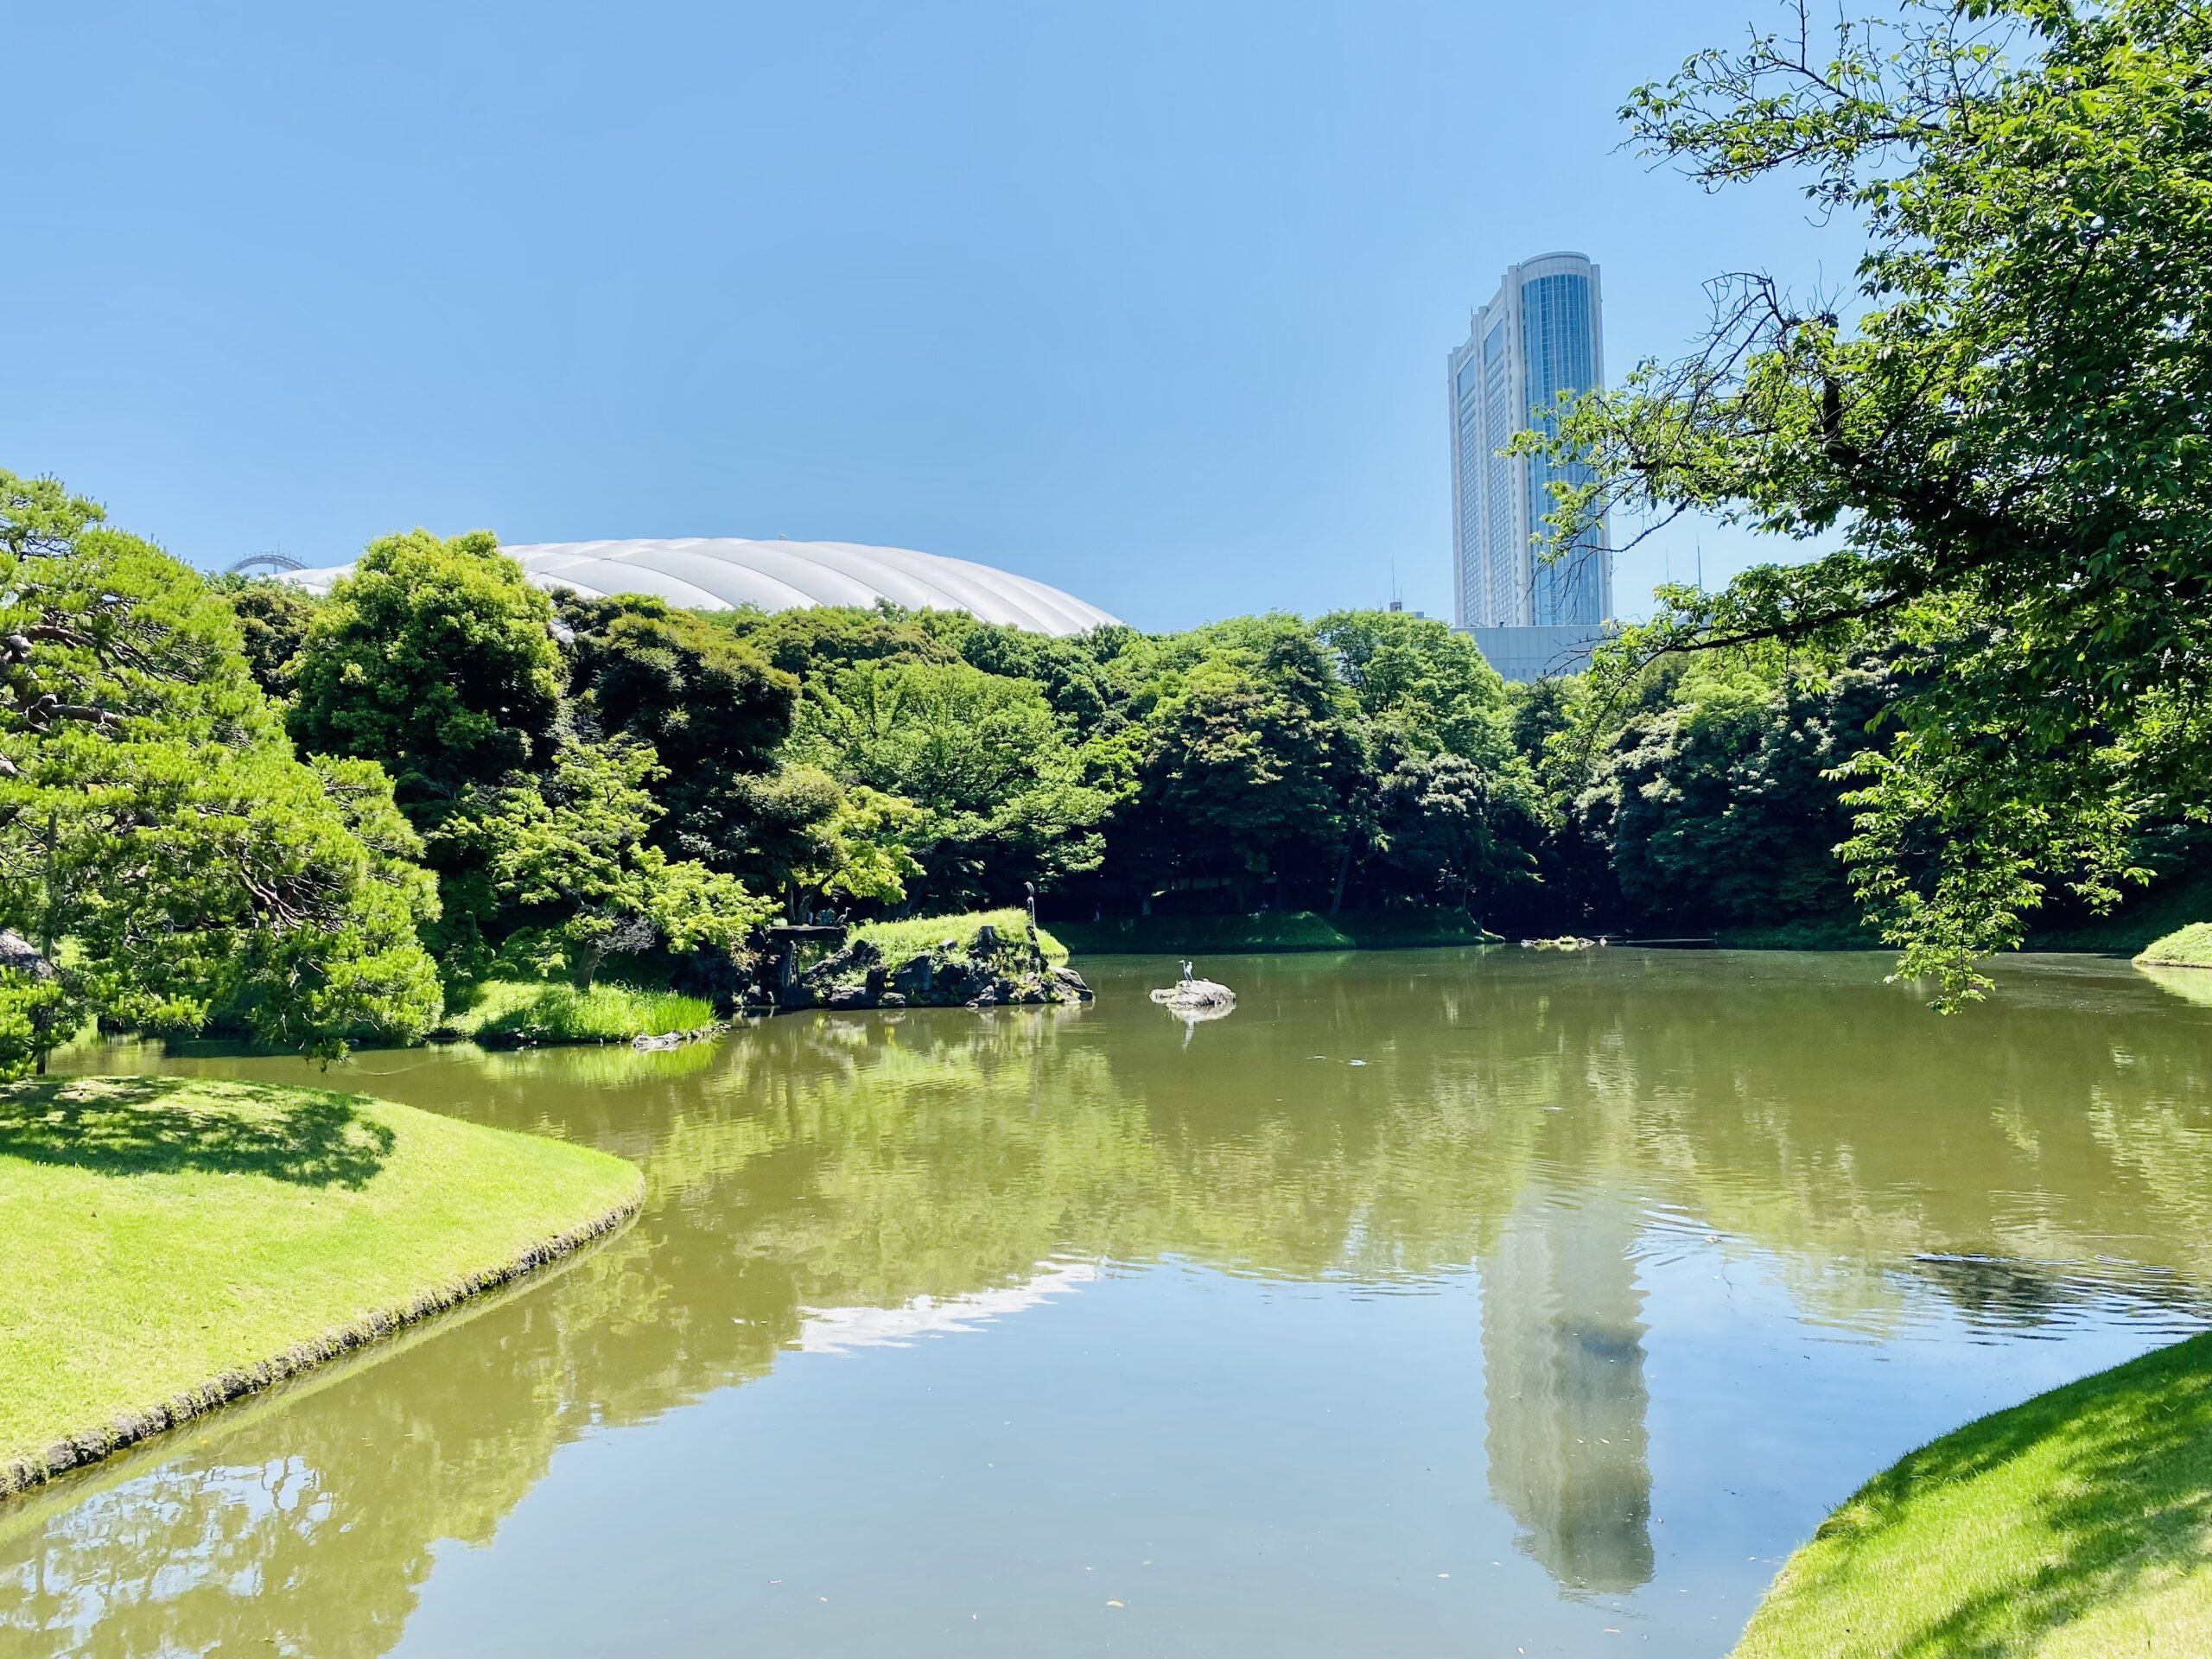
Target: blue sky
1148,300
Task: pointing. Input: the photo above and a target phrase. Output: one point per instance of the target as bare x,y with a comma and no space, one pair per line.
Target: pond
1477,1302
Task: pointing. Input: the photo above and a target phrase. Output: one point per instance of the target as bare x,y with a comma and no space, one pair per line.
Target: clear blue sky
1148,300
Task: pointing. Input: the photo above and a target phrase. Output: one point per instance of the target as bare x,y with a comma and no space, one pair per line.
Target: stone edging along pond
20,1473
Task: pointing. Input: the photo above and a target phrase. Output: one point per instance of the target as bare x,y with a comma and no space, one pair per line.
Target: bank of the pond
1273,931
175,1243
2186,947
2075,1525
507,1013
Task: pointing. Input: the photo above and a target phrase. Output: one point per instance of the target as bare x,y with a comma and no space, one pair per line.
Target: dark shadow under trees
162,1126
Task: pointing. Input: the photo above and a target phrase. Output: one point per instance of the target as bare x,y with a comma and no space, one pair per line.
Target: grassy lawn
1290,930
2078,1524
507,1011
162,1232
2188,947
903,941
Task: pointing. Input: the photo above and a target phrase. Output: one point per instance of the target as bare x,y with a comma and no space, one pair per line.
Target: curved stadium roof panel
717,573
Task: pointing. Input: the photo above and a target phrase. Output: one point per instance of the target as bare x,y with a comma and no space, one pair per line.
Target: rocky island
995,959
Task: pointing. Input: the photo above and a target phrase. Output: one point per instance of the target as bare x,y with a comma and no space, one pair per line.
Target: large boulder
1195,994
19,954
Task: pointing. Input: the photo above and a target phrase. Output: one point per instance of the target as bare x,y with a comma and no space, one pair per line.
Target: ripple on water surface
1552,1298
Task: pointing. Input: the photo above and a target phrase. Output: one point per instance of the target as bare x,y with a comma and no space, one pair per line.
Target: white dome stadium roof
720,572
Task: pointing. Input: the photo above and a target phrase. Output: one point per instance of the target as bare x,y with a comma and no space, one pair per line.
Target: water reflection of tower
1563,1368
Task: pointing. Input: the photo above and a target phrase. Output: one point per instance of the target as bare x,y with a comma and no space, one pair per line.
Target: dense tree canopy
1459,831
1712,803
160,845
1002,789
709,705
1417,679
806,642
2006,432
436,658
273,618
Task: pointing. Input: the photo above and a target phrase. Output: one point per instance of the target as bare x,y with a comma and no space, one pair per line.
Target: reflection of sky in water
1570,1311
842,1330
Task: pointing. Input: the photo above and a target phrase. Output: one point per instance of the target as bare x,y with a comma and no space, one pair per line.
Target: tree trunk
1343,870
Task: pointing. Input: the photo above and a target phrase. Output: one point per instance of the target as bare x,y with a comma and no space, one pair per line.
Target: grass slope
903,941
2077,1524
1294,929
163,1233
508,1011
2188,947
2148,915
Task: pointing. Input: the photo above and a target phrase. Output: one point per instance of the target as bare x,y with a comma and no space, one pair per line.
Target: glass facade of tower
1466,439
1559,337
1540,338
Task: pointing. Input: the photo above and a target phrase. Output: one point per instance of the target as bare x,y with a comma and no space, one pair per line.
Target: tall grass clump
516,1011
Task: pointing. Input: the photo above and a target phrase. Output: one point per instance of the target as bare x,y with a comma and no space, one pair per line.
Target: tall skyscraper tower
1539,337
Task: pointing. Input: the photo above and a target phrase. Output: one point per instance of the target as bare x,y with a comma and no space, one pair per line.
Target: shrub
510,1012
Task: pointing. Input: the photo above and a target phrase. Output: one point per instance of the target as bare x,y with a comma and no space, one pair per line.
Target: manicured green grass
529,1011
902,941
162,1231
2078,1524
2146,916
2188,947
1274,930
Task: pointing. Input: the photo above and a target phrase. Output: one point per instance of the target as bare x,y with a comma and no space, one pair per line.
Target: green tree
1716,802
436,659
1460,830
1415,677
709,705
273,618
1006,793
161,847
556,868
1072,672
2008,440
814,641
1255,763
861,849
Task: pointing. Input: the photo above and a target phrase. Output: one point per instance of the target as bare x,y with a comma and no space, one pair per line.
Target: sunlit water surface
1431,1303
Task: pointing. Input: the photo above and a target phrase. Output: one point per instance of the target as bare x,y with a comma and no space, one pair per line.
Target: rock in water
991,970
1193,994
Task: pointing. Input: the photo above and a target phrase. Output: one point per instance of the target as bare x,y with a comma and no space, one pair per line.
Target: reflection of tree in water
1510,1111
312,1530
1994,1296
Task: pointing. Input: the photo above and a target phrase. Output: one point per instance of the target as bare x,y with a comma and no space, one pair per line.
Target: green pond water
1451,1303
